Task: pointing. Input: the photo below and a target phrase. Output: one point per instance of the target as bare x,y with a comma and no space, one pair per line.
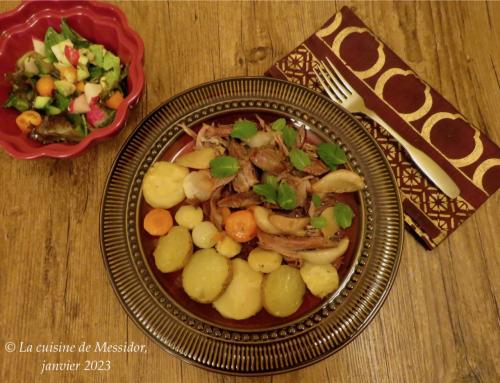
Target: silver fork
340,91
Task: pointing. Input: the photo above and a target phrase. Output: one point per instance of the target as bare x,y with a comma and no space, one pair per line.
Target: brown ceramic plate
262,344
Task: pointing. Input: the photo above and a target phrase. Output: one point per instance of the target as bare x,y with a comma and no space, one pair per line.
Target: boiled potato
197,159
206,275
283,291
173,250
327,255
242,298
189,216
264,261
205,235
228,247
321,280
162,185
331,226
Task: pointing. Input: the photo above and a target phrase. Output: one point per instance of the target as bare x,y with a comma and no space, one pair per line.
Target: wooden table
440,323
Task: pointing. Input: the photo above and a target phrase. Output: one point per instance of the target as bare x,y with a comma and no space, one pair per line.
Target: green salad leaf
224,166
16,102
289,136
331,154
318,222
244,129
77,40
343,214
299,159
52,38
61,101
267,191
278,125
286,197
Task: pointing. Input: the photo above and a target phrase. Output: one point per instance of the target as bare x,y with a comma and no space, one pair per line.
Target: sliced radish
39,46
95,115
92,91
79,105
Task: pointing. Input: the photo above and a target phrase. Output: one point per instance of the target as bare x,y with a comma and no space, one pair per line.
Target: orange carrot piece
45,86
158,222
241,226
115,100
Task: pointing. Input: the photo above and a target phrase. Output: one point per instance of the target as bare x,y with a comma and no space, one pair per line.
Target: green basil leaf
289,136
267,191
286,197
318,222
343,214
271,180
224,166
331,154
299,159
244,129
278,125
316,200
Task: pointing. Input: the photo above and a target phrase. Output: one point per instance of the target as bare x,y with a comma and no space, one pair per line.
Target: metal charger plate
301,342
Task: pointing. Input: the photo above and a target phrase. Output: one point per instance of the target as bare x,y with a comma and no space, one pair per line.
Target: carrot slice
241,226
158,222
115,100
45,86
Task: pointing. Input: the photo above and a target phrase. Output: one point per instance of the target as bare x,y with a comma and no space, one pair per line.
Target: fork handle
425,163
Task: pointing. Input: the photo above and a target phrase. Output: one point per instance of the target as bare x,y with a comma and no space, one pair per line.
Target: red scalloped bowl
98,22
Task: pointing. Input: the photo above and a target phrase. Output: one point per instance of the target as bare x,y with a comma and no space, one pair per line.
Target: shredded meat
238,150
269,160
213,137
215,214
240,200
316,167
246,177
301,137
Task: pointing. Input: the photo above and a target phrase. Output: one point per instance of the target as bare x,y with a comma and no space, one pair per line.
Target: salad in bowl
66,87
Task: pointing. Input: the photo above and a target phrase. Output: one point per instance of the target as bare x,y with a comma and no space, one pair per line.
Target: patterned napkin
417,111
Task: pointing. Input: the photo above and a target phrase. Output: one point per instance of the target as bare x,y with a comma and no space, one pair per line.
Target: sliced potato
198,185
205,235
228,247
331,226
283,291
197,159
242,297
162,184
325,256
264,261
173,250
321,280
339,181
288,225
189,216
206,275
261,215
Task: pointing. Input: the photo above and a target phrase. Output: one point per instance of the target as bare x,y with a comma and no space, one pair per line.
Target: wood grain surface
440,322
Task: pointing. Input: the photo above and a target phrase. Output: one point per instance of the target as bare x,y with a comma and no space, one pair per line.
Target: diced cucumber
98,51
41,102
64,87
82,73
43,65
52,110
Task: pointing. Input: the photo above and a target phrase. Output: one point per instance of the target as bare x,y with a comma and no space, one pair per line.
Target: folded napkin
413,108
